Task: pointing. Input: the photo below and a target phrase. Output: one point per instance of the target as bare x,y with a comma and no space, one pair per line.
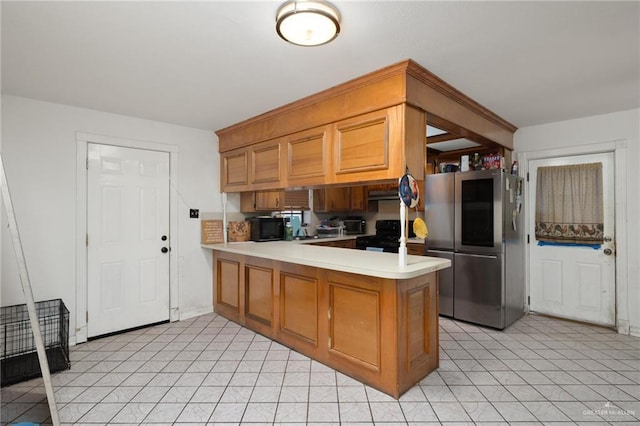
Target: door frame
82,141
619,149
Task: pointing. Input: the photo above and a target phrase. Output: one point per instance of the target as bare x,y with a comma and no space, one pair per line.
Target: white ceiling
211,64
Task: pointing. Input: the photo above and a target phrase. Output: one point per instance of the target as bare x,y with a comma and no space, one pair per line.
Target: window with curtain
569,204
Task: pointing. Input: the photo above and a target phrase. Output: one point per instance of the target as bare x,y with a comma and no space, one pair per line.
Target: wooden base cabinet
383,332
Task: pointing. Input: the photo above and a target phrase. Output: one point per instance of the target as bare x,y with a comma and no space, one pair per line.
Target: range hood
387,194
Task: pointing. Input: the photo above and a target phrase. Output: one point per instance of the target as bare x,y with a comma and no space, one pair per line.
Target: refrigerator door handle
482,256
439,251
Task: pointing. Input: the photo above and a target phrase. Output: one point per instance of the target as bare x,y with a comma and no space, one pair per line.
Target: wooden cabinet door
380,145
269,200
362,143
358,198
227,300
338,199
265,164
331,200
307,157
254,201
235,170
319,200
248,202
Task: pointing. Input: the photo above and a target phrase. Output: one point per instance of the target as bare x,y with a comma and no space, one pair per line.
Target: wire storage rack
18,356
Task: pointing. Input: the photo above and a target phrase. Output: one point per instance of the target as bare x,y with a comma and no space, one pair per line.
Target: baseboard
634,331
186,314
622,327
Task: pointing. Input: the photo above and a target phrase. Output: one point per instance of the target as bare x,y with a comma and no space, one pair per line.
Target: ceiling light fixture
308,22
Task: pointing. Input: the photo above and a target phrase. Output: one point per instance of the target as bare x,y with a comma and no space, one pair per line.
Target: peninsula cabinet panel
235,171
298,308
418,328
259,295
227,300
354,330
307,160
383,332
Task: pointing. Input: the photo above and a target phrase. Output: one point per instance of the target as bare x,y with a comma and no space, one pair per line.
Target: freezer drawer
445,280
479,291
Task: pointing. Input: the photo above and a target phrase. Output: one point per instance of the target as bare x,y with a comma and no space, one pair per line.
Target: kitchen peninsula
356,311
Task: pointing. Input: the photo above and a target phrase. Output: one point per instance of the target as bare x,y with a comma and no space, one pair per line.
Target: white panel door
127,232
574,282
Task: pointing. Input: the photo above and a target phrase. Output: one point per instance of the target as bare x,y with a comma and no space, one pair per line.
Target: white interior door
127,233
574,282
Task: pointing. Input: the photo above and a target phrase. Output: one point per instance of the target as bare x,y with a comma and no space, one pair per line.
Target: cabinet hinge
527,176
528,239
87,164
87,316
528,300
329,313
87,240
329,343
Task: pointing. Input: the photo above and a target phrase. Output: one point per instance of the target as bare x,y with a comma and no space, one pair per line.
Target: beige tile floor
208,370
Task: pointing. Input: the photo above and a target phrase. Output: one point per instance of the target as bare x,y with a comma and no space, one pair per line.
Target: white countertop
376,264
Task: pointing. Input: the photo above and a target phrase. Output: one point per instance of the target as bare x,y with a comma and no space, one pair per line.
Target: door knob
164,249
163,238
608,251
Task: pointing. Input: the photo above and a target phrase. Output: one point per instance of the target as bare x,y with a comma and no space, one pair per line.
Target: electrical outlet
194,213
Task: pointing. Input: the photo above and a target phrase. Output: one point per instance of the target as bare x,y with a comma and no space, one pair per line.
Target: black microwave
355,226
266,228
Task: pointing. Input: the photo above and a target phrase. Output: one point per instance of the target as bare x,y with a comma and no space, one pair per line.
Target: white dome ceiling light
308,22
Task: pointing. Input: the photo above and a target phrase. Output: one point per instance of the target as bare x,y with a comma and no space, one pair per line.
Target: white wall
625,126
39,150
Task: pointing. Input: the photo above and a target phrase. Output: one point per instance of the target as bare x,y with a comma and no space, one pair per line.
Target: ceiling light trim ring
296,7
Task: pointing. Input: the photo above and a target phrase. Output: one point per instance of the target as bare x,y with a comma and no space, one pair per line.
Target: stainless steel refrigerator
475,220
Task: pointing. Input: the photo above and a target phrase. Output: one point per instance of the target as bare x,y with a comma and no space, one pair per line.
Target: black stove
387,237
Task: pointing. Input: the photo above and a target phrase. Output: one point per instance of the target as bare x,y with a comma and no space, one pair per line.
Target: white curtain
569,204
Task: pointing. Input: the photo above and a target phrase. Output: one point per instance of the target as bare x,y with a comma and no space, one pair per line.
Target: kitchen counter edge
376,264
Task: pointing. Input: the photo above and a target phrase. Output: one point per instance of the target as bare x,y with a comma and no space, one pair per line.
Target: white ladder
28,295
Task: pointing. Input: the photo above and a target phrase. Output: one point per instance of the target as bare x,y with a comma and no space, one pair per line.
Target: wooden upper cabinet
266,165
235,170
256,201
358,199
331,200
269,200
366,130
362,143
379,145
308,157
340,199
